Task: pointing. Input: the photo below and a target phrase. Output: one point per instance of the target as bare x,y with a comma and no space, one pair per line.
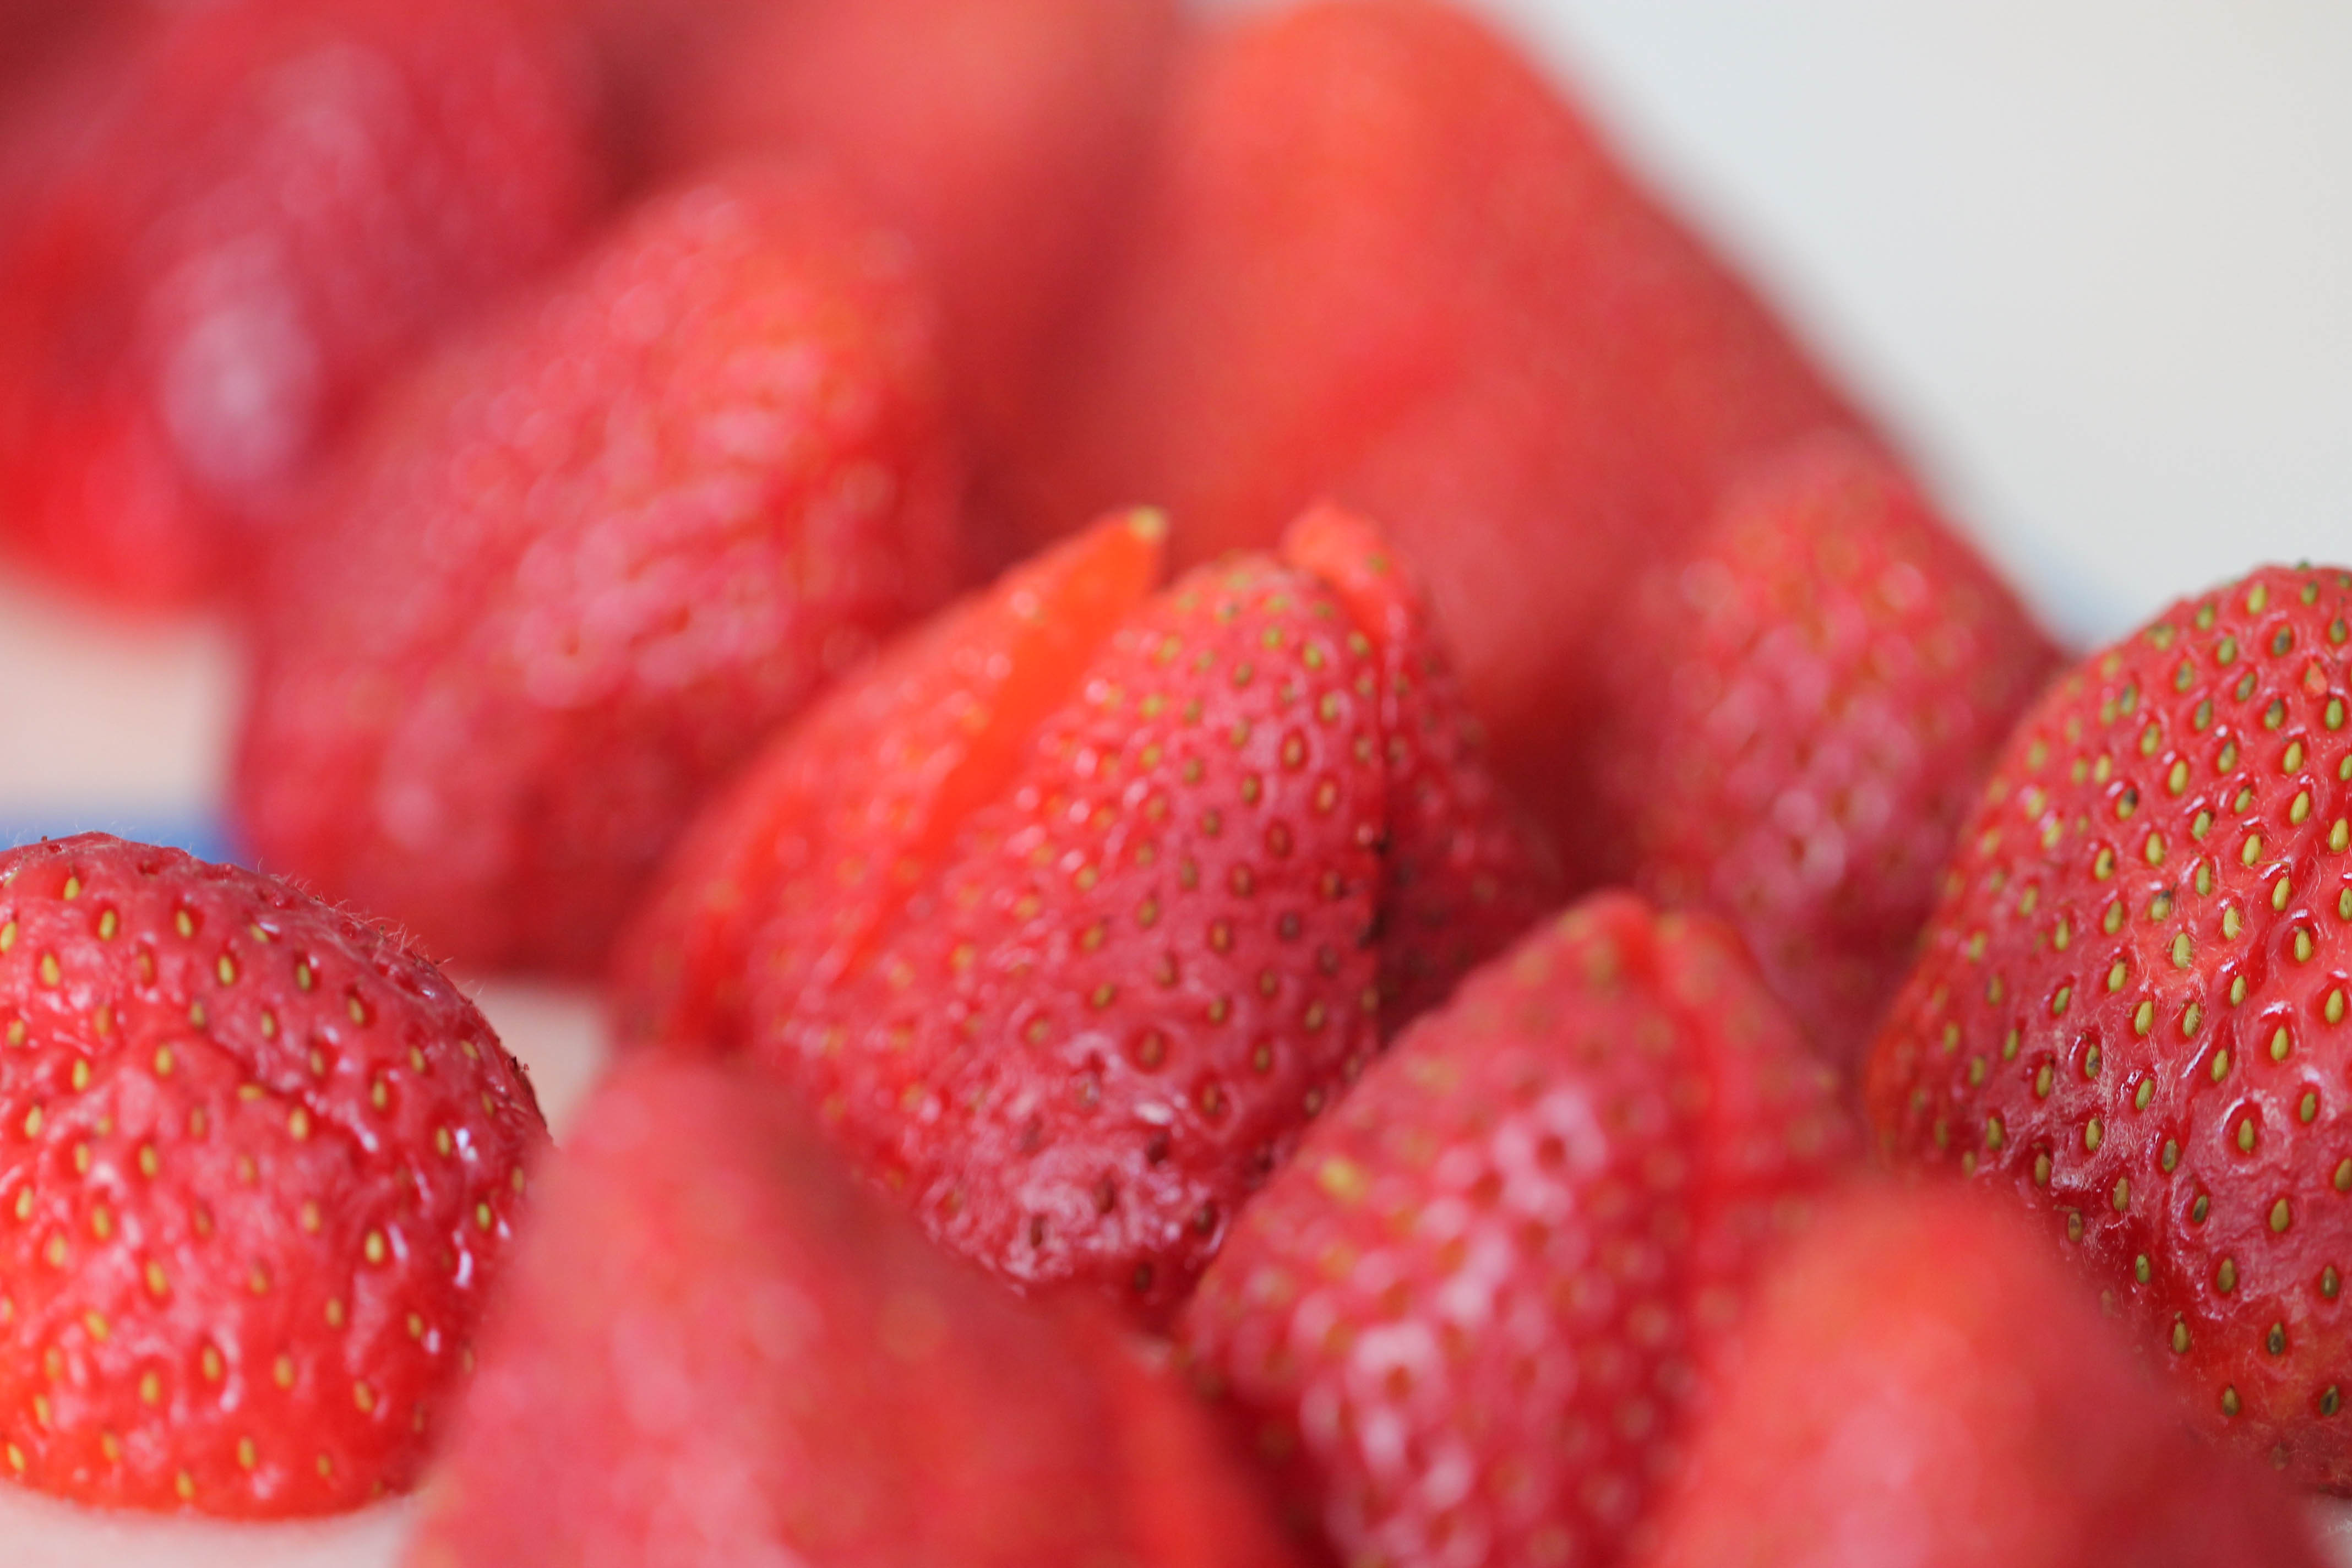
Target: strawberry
1797,714
261,1166
1073,989
1462,1322
1890,1408
1382,260
237,228
1004,138
579,568
2129,1008
715,1349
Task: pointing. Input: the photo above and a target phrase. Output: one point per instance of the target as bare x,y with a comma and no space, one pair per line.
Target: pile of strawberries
1272,802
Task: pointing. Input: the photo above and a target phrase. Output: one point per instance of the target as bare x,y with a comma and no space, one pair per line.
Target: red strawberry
1919,1385
261,1166
716,1350
245,223
1075,1003
2129,1009
1382,260
1797,715
1004,137
1464,1321
582,568
787,867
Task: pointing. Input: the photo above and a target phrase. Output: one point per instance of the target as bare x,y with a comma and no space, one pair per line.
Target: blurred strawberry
262,1169
579,569
1006,138
1796,714
717,1351
1463,1323
1382,260
226,235
1152,900
1921,1387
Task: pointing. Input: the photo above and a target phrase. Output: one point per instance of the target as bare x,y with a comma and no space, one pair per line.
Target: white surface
2093,262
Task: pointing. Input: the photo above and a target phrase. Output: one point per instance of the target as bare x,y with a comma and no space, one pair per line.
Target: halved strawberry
1464,1321
717,1350
1076,1020
261,1166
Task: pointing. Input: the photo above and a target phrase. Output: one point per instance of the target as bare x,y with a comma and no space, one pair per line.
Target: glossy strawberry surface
235,221
579,568
1466,1320
261,1168
1799,711
2129,1009
719,1349
1920,1385
1077,1021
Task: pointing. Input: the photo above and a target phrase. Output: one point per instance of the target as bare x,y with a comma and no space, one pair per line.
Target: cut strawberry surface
1078,1026
262,1166
2129,1009
580,569
825,834
1920,1384
717,1350
1464,1321
229,235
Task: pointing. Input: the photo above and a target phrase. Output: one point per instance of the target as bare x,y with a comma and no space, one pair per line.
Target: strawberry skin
1919,1385
717,1348
1004,138
578,570
1797,713
1075,1021
261,1167
1382,260
2129,1008
1462,1322
238,229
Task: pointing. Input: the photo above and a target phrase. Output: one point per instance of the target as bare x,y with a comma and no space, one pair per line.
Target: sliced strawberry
717,1350
1797,712
236,229
822,838
1920,1384
1464,1321
2130,1009
582,568
1090,1012
262,1166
